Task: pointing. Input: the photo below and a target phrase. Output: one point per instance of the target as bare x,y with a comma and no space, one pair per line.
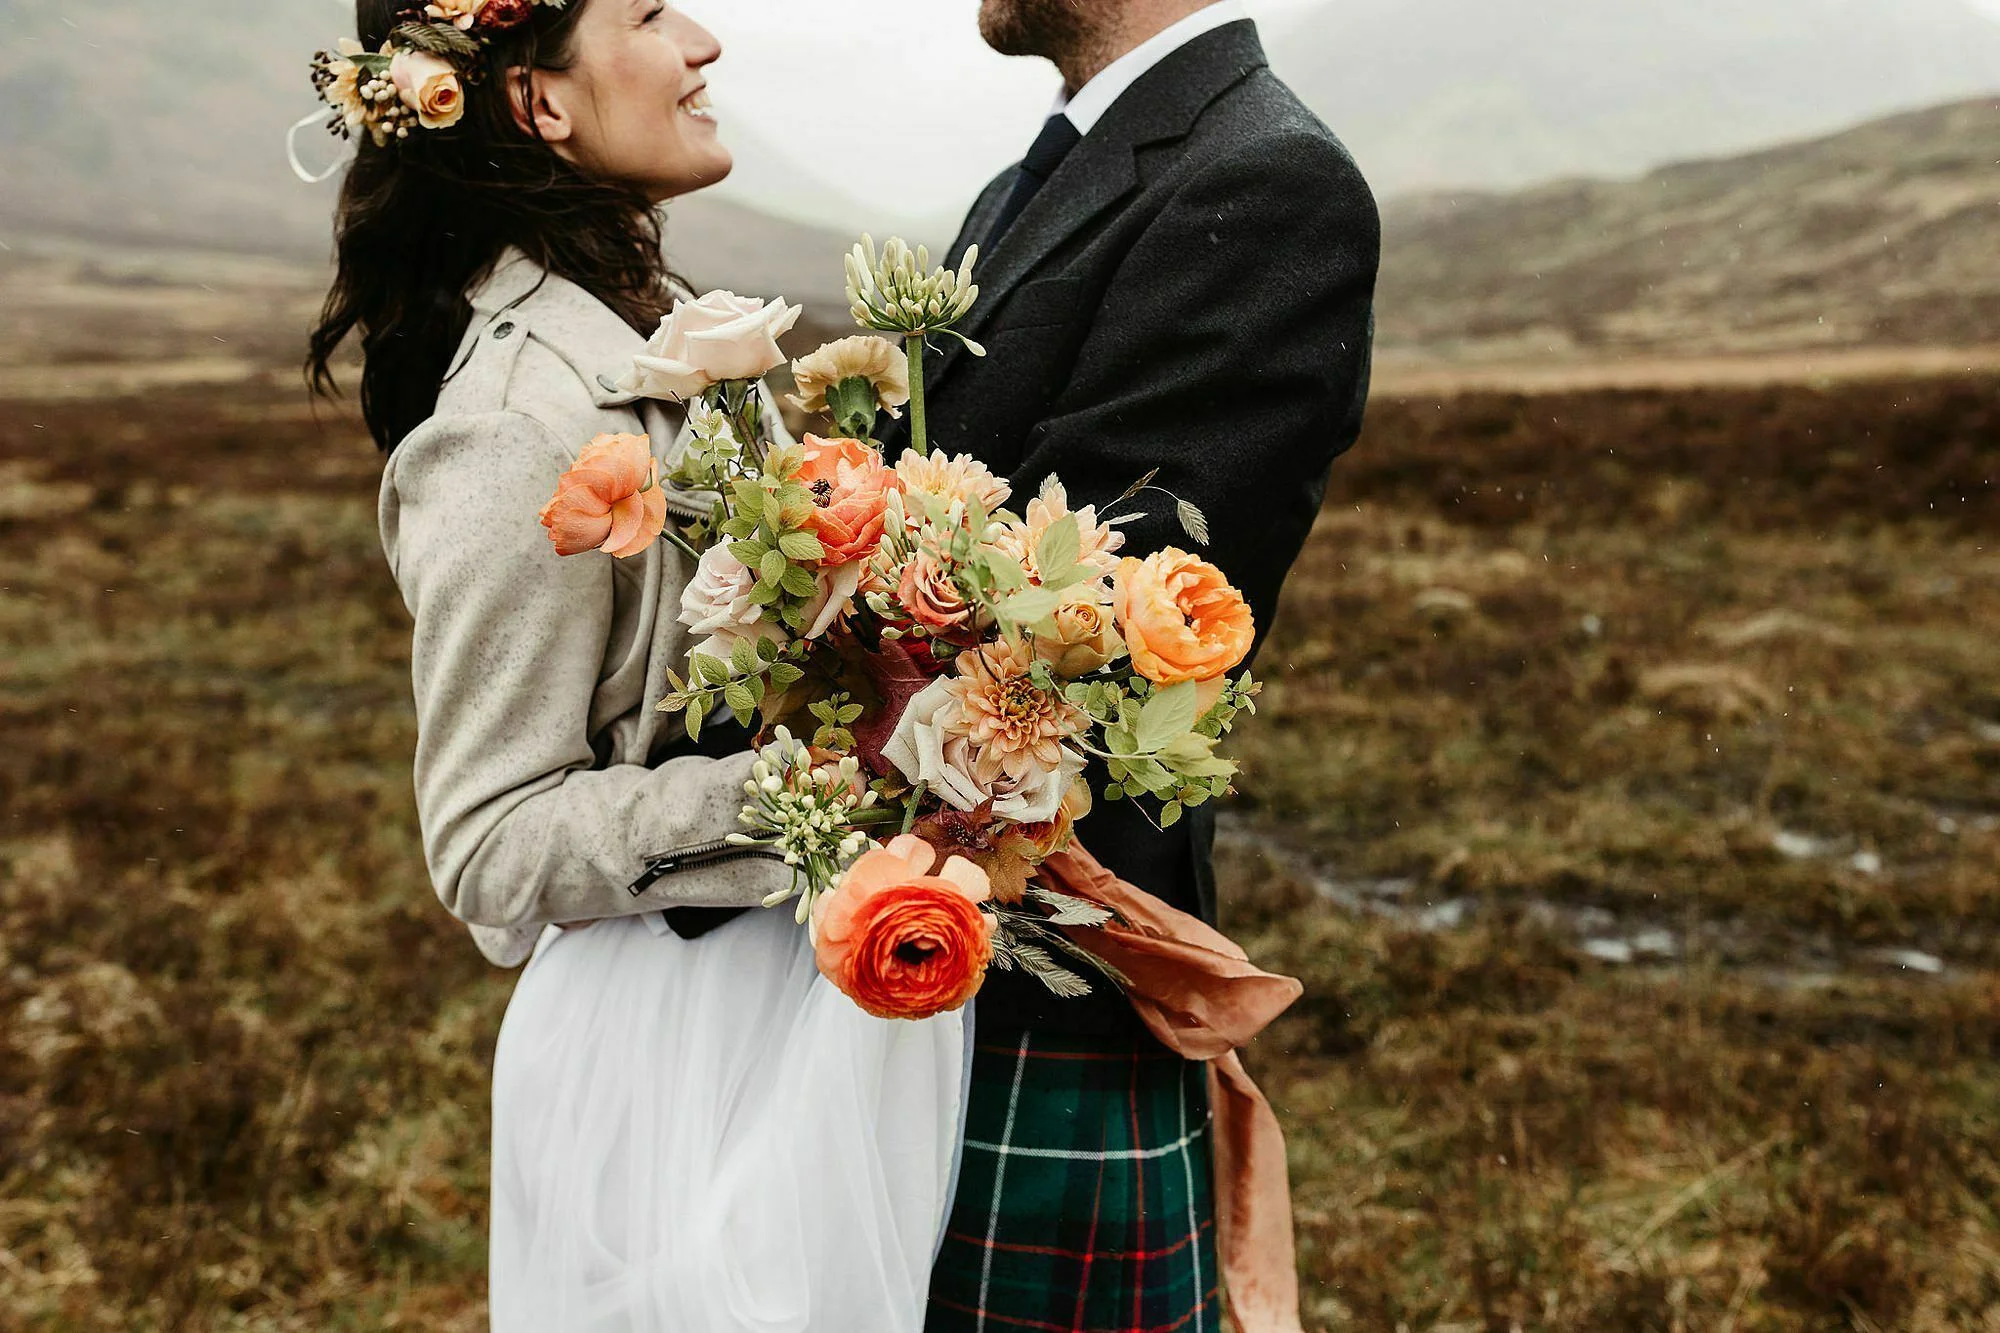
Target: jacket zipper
717,852
681,503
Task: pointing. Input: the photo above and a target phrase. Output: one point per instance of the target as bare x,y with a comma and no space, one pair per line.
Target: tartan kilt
1086,1197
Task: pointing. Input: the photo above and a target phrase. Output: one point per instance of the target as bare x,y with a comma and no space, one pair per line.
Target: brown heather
243,1053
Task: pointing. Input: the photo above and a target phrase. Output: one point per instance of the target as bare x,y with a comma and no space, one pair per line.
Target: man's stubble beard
1061,31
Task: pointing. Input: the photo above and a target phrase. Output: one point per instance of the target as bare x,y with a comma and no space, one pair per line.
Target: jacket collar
562,316
1161,107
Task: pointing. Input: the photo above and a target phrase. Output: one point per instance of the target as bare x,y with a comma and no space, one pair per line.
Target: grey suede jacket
543,781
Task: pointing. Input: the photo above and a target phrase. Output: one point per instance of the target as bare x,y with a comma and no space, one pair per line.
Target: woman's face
633,105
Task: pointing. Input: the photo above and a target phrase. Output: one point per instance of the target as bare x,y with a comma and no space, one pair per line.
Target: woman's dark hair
421,219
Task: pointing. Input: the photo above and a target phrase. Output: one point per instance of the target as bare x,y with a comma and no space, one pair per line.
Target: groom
1179,276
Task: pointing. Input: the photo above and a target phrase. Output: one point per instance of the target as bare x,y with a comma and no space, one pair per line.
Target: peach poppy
610,499
850,485
903,942
1180,618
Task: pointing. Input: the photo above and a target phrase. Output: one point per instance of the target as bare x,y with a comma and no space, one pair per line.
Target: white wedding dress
704,1136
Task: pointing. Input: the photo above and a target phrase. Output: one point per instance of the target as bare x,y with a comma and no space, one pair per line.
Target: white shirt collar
1096,97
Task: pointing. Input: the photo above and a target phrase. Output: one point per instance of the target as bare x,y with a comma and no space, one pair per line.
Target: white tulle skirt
703,1136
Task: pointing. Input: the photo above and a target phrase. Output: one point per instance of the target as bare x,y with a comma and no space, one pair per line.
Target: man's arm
1231,352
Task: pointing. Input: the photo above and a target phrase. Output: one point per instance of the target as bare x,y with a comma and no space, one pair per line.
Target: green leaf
1006,573
740,700
437,39
769,649
769,594
1171,815
771,568
1170,713
1059,546
801,546
710,668
798,582
697,713
750,552
784,675
1024,608
743,658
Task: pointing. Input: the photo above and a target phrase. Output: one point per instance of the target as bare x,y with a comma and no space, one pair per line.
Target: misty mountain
1505,93
1885,234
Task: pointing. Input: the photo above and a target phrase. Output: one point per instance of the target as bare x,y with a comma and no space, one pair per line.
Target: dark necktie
1051,146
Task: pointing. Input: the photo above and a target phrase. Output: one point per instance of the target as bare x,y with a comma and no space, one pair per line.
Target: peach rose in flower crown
429,86
1180,618
609,500
900,940
720,337
850,486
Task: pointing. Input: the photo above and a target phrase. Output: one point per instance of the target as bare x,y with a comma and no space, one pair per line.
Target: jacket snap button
502,331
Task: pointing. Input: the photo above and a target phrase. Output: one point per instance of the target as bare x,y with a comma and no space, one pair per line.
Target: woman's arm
520,826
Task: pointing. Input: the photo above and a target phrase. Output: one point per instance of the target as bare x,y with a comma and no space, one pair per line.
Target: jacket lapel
1162,106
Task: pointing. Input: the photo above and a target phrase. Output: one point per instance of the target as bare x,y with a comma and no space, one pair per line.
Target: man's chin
1001,28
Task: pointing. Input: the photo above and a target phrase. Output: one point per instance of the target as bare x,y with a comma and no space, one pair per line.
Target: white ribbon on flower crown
292,149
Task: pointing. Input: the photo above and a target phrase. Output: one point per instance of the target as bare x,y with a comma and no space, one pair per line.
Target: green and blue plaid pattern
1086,1202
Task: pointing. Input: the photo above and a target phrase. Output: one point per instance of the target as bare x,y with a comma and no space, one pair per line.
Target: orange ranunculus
609,500
900,941
850,485
1180,618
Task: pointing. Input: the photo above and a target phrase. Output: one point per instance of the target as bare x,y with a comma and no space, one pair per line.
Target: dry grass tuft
1684,658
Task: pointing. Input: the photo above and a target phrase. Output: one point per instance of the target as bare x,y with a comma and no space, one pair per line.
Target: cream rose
428,86
717,599
930,745
877,360
722,336
1085,637
837,586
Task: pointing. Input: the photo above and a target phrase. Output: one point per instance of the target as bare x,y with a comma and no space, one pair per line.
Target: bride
692,1132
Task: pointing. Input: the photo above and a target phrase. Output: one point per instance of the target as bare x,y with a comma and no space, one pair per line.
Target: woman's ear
539,105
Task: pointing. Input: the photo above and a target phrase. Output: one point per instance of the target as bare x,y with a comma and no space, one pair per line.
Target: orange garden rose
609,500
1180,618
850,485
900,941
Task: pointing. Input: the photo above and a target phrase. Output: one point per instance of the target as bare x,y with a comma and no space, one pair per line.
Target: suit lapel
1163,105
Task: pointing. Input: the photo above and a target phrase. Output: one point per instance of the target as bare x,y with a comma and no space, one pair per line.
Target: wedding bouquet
929,671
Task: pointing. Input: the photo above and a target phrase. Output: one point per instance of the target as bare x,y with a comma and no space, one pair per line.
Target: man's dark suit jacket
1192,291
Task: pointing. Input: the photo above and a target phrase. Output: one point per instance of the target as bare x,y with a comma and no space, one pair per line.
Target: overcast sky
915,137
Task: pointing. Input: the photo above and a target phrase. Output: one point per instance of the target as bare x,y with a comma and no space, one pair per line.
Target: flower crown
418,78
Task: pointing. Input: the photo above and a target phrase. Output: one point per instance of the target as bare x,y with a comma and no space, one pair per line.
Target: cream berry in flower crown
417,80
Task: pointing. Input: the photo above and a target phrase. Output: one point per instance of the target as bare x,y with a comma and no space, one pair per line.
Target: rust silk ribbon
1199,993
